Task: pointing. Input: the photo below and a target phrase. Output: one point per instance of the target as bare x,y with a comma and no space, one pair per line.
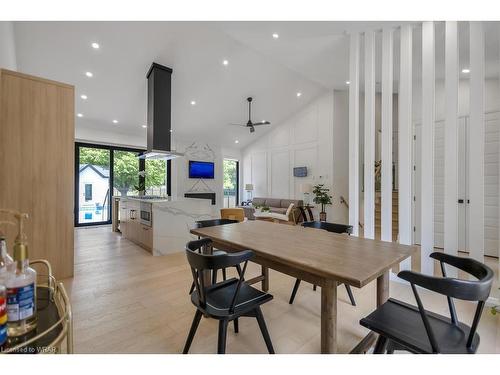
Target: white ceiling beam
405,136
476,143
387,84
450,139
369,149
354,133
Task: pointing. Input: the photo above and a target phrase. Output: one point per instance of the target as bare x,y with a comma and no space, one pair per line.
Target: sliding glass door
102,172
93,185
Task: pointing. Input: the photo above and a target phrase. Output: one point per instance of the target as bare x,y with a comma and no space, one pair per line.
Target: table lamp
306,189
249,189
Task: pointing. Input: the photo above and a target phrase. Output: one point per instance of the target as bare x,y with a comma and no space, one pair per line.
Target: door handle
460,201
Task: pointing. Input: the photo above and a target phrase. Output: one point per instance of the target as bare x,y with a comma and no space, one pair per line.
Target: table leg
382,288
329,318
265,280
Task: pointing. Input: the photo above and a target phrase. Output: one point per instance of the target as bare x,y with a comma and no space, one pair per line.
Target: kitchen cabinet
37,168
131,227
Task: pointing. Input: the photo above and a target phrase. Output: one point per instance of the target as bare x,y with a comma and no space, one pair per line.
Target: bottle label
3,334
3,306
20,302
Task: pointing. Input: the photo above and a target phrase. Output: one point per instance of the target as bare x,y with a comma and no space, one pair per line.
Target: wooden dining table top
352,260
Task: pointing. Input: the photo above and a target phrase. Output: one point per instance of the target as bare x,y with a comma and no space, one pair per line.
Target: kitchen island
161,226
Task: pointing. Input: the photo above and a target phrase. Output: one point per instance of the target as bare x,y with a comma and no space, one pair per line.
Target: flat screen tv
201,169
300,172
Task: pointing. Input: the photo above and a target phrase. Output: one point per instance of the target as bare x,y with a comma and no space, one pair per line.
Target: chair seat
219,298
402,323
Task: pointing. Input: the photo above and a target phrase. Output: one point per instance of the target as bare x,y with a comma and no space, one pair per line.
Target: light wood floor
127,301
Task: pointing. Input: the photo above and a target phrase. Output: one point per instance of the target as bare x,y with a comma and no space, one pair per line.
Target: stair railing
346,203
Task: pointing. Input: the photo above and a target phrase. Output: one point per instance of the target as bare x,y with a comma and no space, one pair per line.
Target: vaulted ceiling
307,57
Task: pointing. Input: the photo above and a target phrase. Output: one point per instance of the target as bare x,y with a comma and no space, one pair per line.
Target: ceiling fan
251,125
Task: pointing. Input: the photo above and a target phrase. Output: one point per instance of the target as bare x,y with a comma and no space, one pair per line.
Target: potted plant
322,196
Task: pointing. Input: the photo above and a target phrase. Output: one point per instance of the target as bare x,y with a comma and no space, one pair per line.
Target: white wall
7,46
317,138
90,135
202,151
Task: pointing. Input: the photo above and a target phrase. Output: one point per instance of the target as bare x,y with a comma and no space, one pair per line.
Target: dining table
316,256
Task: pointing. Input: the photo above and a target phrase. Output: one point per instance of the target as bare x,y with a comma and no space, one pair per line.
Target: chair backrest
214,222
201,260
330,227
469,290
232,214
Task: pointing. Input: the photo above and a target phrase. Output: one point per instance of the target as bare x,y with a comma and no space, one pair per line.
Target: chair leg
192,288
390,347
380,345
224,276
351,296
263,329
236,325
294,291
221,343
314,287
192,331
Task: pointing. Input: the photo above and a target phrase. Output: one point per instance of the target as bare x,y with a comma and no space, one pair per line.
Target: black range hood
159,114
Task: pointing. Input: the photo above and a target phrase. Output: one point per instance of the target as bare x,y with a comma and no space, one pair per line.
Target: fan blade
238,125
252,129
261,123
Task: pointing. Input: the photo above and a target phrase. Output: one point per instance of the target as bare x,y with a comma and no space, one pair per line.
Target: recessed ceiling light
83,96
466,70
89,74
144,126
171,130
79,115
95,45
347,82
236,141
225,62
115,121
193,102
275,36
299,94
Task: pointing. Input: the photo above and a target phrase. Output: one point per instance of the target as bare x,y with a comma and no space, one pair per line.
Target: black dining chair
213,223
330,227
411,328
227,300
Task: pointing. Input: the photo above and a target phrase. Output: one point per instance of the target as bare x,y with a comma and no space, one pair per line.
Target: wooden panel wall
37,164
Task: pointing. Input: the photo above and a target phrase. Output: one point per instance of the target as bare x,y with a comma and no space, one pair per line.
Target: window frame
111,148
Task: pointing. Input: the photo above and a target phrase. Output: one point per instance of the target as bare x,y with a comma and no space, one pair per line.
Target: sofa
276,205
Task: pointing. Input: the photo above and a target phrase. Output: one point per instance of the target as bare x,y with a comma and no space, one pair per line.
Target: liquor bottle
21,288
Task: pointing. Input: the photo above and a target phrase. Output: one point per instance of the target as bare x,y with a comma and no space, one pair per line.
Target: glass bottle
21,288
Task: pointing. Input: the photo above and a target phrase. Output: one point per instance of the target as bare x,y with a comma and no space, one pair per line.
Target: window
102,172
88,192
231,183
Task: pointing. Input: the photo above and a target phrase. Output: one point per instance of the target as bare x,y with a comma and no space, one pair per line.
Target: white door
491,183
463,168
417,151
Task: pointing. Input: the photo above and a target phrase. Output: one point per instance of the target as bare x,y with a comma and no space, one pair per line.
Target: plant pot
322,216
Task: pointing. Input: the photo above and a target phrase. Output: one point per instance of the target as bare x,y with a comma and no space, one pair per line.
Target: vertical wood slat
476,143
427,162
405,141
450,148
387,76
354,133
369,142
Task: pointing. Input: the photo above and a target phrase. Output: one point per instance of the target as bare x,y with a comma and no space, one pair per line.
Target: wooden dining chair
232,214
227,300
411,328
213,223
330,227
